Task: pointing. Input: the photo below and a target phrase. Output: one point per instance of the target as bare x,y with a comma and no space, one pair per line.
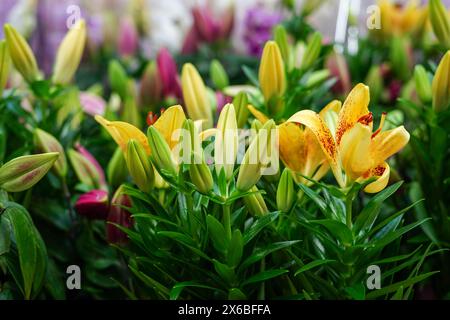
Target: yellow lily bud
255,203
139,166
4,65
285,191
422,83
161,155
440,21
69,53
22,173
195,95
441,84
226,142
272,78
21,54
254,160
48,143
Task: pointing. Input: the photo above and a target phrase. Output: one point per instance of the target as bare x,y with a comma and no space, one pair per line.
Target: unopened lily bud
423,84
150,90
204,23
199,171
130,113
309,6
4,65
240,103
440,21
226,142
168,73
69,53
338,67
161,155
87,169
128,39
139,166
93,205
441,84
255,127
21,55
374,81
116,170
400,56
218,75
272,78
285,192
312,51
195,95
22,173
254,159
317,77
118,79
47,143
255,203
281,38
120,216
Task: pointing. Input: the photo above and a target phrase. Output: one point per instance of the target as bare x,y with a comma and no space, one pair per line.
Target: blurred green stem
227,220
348,210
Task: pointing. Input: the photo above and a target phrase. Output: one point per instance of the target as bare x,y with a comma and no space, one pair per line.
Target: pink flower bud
207,28
100,174
93,204
128,38
120,216
191,42
92,104
227,23
338,68
168,73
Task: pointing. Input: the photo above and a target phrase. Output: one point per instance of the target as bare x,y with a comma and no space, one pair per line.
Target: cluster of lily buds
208,28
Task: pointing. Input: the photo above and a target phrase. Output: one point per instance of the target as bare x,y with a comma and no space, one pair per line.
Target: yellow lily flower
301,152
352,146
398,20
122,132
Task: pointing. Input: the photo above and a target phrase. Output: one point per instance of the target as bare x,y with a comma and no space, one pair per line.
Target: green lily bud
281,38
218,75
285,191
46,142
21,54
255,203
374,81
116,171
317,77
400,57
257,153
161,155
4,65
85,170
240,103
118,79
139,166
440,21
312,51
131,112
423,84
199,171
22,173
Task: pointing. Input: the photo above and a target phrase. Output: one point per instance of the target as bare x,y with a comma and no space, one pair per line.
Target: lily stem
348,210
227,220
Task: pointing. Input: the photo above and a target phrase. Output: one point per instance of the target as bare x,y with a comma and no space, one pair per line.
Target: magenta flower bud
227,23
337,65
93,205
168,73
191,42
222,100
206,26
119,216
128,39
92,104
100,174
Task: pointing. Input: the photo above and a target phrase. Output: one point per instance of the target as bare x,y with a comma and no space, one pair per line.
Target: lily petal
169,123
258,114
354,107
292,146
382,172
122,132
315,123
387,143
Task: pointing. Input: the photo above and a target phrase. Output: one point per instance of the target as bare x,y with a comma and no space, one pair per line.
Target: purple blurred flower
128,39
120,216
222,100
92,104
259,22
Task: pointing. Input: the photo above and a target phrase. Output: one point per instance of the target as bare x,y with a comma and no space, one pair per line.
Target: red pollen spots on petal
378,171
366,119
342,128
